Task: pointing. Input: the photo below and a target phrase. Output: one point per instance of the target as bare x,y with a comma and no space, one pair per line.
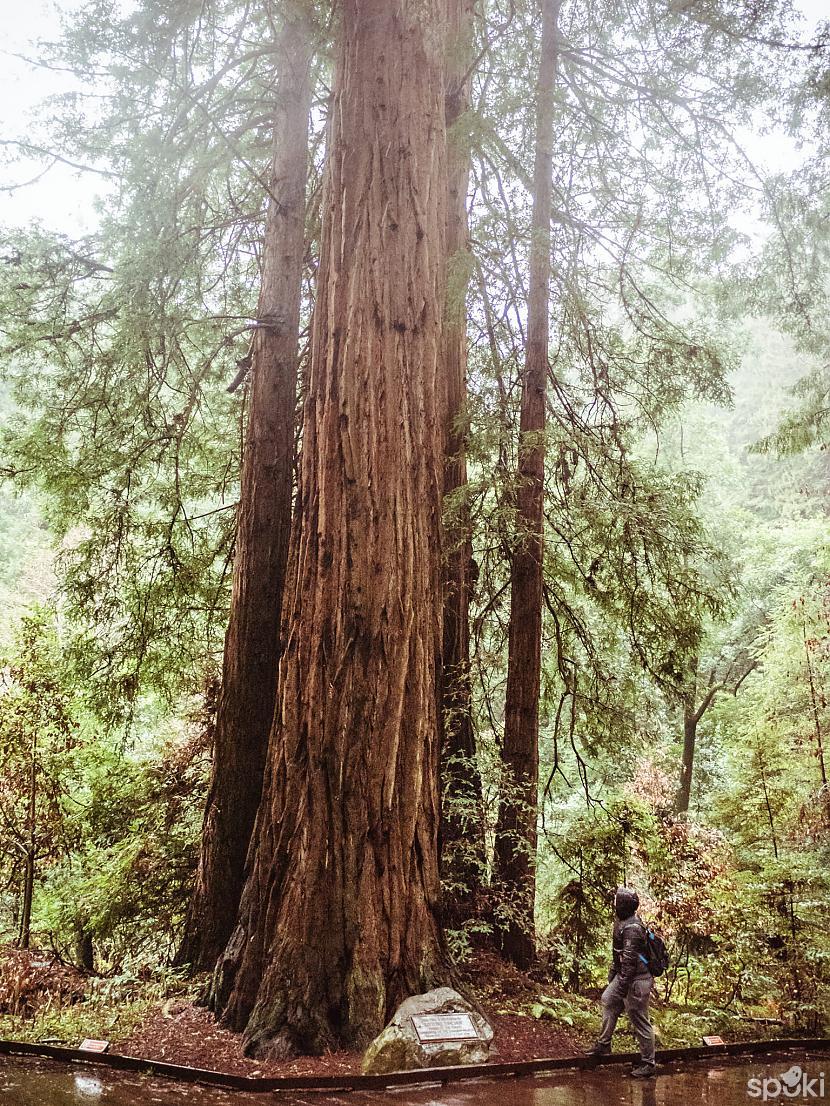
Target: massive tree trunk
462,840
515,848
339,916
247,697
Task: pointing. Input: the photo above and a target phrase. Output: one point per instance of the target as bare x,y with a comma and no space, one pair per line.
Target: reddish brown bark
462,840
246,703
339,917
515,846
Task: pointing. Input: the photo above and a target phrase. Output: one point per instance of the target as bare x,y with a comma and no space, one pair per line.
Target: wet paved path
726,1084
36,1083
40,1083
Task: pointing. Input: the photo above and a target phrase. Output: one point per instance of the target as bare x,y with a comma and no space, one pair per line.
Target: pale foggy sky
64,199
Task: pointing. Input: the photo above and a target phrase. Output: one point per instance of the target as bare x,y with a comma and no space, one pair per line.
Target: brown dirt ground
181,1033
189,1035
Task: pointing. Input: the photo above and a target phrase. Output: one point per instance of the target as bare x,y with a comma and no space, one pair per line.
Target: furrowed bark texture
339,917
249,677
515,845
462,840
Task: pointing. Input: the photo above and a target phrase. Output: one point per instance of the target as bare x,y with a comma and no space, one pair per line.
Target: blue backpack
657,958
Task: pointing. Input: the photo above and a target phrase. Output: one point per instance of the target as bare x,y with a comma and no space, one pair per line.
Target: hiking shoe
599,1050
642,1071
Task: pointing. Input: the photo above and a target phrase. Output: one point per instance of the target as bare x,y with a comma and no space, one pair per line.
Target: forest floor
183,1033
160,1019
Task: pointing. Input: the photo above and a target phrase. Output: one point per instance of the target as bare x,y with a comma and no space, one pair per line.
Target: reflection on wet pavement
724,1087
680,1085
36,1083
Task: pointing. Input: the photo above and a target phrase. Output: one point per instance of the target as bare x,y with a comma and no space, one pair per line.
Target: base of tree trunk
309,1015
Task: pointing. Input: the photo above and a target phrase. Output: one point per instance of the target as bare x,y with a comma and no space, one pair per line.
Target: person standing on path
629,983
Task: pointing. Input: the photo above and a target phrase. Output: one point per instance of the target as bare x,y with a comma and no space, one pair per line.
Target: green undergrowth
574,1011
111,1009
685,1026
675,1026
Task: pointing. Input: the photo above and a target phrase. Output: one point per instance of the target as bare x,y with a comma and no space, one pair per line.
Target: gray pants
635,1004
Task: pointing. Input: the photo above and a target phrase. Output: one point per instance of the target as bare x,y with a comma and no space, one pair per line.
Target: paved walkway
800,1079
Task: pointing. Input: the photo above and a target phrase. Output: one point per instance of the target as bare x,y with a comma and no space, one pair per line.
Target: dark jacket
630,954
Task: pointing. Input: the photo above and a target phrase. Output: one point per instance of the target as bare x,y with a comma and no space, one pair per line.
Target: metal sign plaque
89,1045
444,1027
712,1041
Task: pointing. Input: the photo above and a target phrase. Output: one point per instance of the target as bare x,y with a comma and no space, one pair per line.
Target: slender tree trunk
462,835
28,895
247,697
816,716
84,948
339,917
690,723
31,852
693,712
515,851
768,805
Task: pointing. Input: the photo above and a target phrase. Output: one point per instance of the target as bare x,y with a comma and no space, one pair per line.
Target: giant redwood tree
339,917
515,843
463,850
246,703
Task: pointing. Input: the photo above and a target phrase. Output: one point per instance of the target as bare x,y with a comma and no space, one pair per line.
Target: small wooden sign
88,1045
711,1041
444,1027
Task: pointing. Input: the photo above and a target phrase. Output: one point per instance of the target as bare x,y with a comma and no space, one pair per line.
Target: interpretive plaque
88,1045
712,1041
444,1027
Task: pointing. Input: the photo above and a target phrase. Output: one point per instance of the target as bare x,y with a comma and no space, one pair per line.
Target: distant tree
792,272
38,736
725,674
463,855
117,899
515,842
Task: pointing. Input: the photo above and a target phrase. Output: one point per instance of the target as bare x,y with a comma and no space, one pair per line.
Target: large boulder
400,1048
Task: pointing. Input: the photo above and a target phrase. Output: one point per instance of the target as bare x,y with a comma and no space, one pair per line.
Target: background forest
683,720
